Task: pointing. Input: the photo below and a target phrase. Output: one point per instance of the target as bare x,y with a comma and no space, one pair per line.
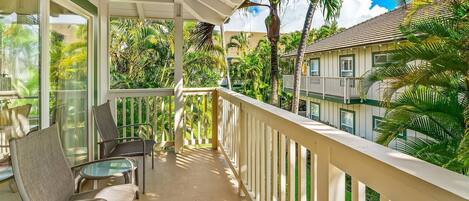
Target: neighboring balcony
344,89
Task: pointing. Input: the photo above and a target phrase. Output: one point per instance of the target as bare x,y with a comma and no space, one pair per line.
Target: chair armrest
140,124
121,138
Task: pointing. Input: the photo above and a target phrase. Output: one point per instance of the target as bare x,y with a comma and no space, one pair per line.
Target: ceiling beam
202,12
218,6
140,11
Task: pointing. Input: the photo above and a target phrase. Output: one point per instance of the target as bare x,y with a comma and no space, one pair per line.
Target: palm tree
331,9
272,23
431,73
240,42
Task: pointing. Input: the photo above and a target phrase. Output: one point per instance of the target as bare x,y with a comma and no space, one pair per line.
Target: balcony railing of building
346,88
278,155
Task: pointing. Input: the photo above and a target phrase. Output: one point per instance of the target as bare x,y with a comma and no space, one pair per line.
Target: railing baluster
275,165
132,104
139,110
191,126
205,125
249,150
242,165
268,156
313,172
147,110
263,160
283,168
292,169
258,159
199,118
302,169
358,190
155,116
163,136
124,117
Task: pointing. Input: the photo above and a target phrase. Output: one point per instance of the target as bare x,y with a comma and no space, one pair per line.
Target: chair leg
153,159
143,179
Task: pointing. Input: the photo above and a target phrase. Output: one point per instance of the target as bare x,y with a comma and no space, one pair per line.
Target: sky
293,15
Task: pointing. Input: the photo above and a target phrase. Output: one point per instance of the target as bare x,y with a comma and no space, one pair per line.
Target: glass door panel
69,79
19,70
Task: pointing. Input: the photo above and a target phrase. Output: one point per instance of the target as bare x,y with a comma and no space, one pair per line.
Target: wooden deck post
178,78
215,119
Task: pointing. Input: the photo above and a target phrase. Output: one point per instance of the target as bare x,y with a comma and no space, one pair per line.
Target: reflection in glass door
69,65
19,70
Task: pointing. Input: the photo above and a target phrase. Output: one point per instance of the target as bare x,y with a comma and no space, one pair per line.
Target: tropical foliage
429,88
142,48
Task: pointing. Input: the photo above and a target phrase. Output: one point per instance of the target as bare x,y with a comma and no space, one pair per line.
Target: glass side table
107,168
6,172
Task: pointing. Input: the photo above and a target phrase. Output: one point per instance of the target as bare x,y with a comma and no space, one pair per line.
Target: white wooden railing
266,146
344,87
156,107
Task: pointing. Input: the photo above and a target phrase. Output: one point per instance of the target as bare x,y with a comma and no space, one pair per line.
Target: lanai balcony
216,144
344,89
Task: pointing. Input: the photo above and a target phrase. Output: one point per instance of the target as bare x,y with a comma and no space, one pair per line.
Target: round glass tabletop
6,172
106,168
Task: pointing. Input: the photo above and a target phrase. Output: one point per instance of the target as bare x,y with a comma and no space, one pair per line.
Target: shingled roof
380,29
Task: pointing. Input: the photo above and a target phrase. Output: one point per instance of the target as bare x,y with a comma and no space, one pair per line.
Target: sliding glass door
69,42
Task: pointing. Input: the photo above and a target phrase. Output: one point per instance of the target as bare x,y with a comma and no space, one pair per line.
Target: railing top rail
383,169
115,93
119,93
326,77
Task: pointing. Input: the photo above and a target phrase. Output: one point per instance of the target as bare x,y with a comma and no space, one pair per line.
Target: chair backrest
16,120
107,128
40,168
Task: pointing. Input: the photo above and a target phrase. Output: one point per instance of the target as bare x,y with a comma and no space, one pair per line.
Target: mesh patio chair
112,145
42,172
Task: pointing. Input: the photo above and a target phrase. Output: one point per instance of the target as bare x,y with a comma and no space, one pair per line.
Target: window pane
347,119
314,67
68,80
380,58
19,69
346,66
314,111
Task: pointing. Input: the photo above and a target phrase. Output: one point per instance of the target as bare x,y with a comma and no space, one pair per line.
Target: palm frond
202,36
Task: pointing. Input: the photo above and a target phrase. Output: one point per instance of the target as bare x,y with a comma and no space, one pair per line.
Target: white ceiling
211,11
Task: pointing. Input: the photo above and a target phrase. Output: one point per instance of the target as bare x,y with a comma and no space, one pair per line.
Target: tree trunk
300,56
273,34
274,72
228,78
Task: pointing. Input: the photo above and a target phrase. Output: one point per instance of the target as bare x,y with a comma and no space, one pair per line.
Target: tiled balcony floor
196,175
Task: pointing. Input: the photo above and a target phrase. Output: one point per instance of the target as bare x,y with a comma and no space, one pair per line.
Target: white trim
45,64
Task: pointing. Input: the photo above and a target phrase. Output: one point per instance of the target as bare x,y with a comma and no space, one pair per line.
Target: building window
313,65
347,66
314,111
382,58
377,121
347,121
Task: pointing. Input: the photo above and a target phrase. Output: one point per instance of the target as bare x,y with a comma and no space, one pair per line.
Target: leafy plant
428,88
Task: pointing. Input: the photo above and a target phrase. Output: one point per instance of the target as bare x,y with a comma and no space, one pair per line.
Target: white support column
45,67
103,76
178,56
